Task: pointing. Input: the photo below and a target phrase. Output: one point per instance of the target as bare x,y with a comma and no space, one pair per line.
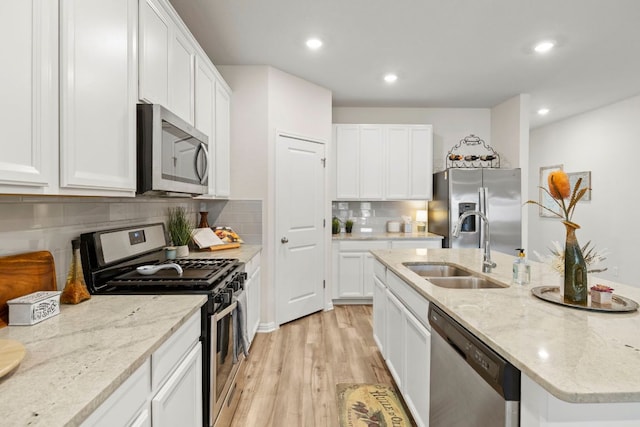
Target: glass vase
575,268
75,289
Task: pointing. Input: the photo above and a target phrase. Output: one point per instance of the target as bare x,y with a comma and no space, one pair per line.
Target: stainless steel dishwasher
471,385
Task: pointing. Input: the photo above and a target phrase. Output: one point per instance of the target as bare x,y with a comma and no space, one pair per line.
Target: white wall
249,136
510,137
266,100
450,125
606,142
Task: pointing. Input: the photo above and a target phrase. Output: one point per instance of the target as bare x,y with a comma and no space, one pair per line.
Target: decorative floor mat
370,405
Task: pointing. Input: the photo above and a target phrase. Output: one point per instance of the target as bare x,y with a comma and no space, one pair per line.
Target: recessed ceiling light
543,111
314,44
544,46
390,78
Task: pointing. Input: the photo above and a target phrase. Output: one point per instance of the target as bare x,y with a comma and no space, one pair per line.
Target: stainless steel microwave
172,155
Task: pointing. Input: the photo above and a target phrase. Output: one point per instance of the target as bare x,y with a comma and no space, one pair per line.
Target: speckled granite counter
244,253
76,359
387,236
576,355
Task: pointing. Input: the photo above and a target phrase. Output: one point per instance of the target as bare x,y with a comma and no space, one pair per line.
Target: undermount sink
451,276
464,282
436,269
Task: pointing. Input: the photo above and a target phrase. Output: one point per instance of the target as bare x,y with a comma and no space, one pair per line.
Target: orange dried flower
559,185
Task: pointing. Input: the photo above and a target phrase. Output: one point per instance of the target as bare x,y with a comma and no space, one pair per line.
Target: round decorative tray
618,304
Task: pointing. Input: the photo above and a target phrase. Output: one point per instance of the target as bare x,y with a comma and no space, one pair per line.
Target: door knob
284,240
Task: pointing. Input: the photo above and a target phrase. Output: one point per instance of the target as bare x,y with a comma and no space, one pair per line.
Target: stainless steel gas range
112,262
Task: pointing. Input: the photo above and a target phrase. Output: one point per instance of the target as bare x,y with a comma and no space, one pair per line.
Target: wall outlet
615,271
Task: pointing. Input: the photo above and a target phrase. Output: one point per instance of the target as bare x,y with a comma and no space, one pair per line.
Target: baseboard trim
267,327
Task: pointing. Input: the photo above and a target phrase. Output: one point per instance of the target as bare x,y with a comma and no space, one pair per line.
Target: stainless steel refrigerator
495,192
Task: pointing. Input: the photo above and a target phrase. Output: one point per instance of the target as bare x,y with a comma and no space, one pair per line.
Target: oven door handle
225,312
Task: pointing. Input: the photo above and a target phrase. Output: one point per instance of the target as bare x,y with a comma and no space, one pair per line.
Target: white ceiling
446,53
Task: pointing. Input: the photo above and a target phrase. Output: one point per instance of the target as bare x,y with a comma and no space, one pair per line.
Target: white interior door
299,227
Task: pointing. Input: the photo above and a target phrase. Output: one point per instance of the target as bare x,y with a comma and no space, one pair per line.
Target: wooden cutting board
224,246
11,354
23,274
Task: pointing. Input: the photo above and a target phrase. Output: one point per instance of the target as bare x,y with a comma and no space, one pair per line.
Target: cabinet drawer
414,302
363,246
380,271
168,356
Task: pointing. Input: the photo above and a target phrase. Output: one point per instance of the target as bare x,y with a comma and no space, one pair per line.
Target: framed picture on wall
545,199
586,183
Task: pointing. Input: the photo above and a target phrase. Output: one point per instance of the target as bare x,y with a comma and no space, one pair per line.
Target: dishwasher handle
501,375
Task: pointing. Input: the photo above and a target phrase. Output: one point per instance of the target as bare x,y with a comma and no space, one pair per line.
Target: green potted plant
348,225
180,230
335,225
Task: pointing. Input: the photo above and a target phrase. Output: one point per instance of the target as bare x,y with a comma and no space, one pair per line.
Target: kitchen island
579,366
77,359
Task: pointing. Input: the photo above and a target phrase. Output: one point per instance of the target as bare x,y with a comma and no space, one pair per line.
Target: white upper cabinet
410,162
383,162
153,40
181,76
347,142
359,161
98,94
166,61
29,107
205,101
222,156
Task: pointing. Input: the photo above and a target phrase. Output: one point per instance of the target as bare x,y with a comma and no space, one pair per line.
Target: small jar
170,252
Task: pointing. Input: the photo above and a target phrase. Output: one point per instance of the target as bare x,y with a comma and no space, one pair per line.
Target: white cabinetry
383,162
182,56
166,61
405,340
154,34
179,400
165,391
353,269
222,140
97,94
409,162
252,288
69,97
359,161
29,107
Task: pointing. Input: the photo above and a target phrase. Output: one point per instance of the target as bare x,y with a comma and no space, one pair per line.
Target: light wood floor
291,374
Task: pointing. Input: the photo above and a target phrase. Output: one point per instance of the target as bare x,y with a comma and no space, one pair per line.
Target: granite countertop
76,359
578,356
244,253
425,235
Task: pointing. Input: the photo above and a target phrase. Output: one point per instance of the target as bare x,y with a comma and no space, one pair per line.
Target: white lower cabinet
165,391
179,400
252,288
380,315
395,332
417,361
404,339
353,269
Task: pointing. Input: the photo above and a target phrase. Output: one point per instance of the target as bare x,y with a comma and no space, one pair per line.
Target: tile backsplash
33,223
375,214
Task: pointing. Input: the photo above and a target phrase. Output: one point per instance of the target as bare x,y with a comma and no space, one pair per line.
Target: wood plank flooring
291,373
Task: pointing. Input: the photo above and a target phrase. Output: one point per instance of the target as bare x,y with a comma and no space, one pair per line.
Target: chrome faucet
487,264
